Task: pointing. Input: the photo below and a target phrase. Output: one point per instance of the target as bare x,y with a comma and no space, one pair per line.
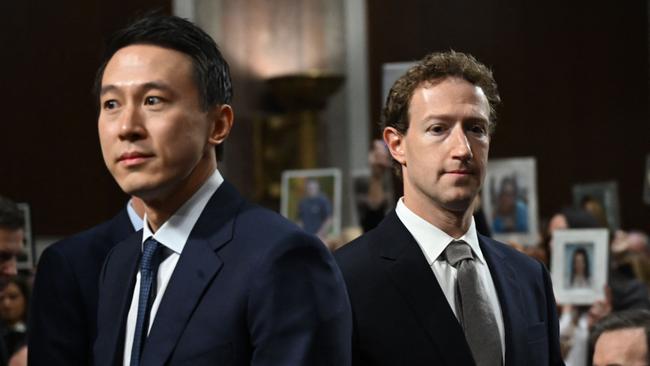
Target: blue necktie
147,274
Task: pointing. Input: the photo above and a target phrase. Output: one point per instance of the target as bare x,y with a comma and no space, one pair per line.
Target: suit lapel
116,299
195,270
508,291
400,254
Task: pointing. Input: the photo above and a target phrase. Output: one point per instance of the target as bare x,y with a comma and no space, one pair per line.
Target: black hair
211,71
582,251
626,319
11,217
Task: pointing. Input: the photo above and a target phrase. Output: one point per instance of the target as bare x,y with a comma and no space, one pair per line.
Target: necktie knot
457,251
148,252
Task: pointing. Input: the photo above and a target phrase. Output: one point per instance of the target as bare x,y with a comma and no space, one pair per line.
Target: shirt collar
431,239
174,232
136,221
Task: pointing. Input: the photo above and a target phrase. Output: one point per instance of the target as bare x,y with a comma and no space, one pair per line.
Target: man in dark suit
63,308
425,287
211,279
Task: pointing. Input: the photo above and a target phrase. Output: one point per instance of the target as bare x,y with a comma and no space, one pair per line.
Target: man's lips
461,172
133,158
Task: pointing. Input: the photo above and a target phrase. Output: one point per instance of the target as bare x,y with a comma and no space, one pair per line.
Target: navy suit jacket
62,320
401,316
250,288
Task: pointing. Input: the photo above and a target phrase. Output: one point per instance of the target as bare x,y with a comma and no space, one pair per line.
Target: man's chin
460,204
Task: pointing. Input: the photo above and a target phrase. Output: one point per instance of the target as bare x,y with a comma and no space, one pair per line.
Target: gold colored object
288,140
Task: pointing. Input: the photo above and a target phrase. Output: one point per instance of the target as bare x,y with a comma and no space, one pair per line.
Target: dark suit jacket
250,288
62,320
401,316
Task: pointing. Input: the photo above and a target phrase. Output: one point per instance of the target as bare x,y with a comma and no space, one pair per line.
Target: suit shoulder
79,241
355,258
258,222
97,239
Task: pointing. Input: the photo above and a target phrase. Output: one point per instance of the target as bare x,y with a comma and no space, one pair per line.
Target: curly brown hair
435,67
432,69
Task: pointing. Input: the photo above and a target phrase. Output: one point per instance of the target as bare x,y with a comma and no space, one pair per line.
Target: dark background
573,77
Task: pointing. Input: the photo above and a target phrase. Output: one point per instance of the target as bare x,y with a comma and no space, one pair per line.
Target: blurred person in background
622,339
12,236
575,321
14,302
624,291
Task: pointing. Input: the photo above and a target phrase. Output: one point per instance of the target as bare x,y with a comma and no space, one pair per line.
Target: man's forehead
438,95
11,237
136,63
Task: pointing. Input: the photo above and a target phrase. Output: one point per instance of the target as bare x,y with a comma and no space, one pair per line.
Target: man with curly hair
425,287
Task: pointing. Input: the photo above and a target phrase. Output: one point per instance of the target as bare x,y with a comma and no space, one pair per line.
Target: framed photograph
26,261
601,200
646,181
509,200
312,199
391,71
579,265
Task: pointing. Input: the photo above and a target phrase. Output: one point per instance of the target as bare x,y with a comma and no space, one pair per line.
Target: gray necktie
473,307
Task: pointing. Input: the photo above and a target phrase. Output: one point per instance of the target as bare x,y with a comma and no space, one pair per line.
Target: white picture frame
575,283
26,261
509,199
295,186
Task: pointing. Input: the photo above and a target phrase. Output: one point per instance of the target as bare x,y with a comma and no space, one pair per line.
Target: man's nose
9,268
461,148
131,124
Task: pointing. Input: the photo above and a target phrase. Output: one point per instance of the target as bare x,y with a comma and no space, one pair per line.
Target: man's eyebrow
156,85
151,85
107,88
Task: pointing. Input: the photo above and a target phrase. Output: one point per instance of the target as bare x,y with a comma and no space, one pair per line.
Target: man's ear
222,117
396,144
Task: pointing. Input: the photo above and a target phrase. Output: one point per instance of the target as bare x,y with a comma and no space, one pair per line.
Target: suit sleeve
298,310
58,334
555,356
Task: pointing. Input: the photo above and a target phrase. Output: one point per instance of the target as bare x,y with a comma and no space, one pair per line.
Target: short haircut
11,217
626,319
434,68
211,71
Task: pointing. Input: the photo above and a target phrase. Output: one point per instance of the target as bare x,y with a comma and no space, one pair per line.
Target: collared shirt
433,242
173,235
136,221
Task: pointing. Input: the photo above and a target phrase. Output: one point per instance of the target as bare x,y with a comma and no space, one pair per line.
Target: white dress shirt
173,235
433,242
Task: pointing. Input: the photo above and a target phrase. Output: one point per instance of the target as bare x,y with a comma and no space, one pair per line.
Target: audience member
14,302
622,338
12,236
63,313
